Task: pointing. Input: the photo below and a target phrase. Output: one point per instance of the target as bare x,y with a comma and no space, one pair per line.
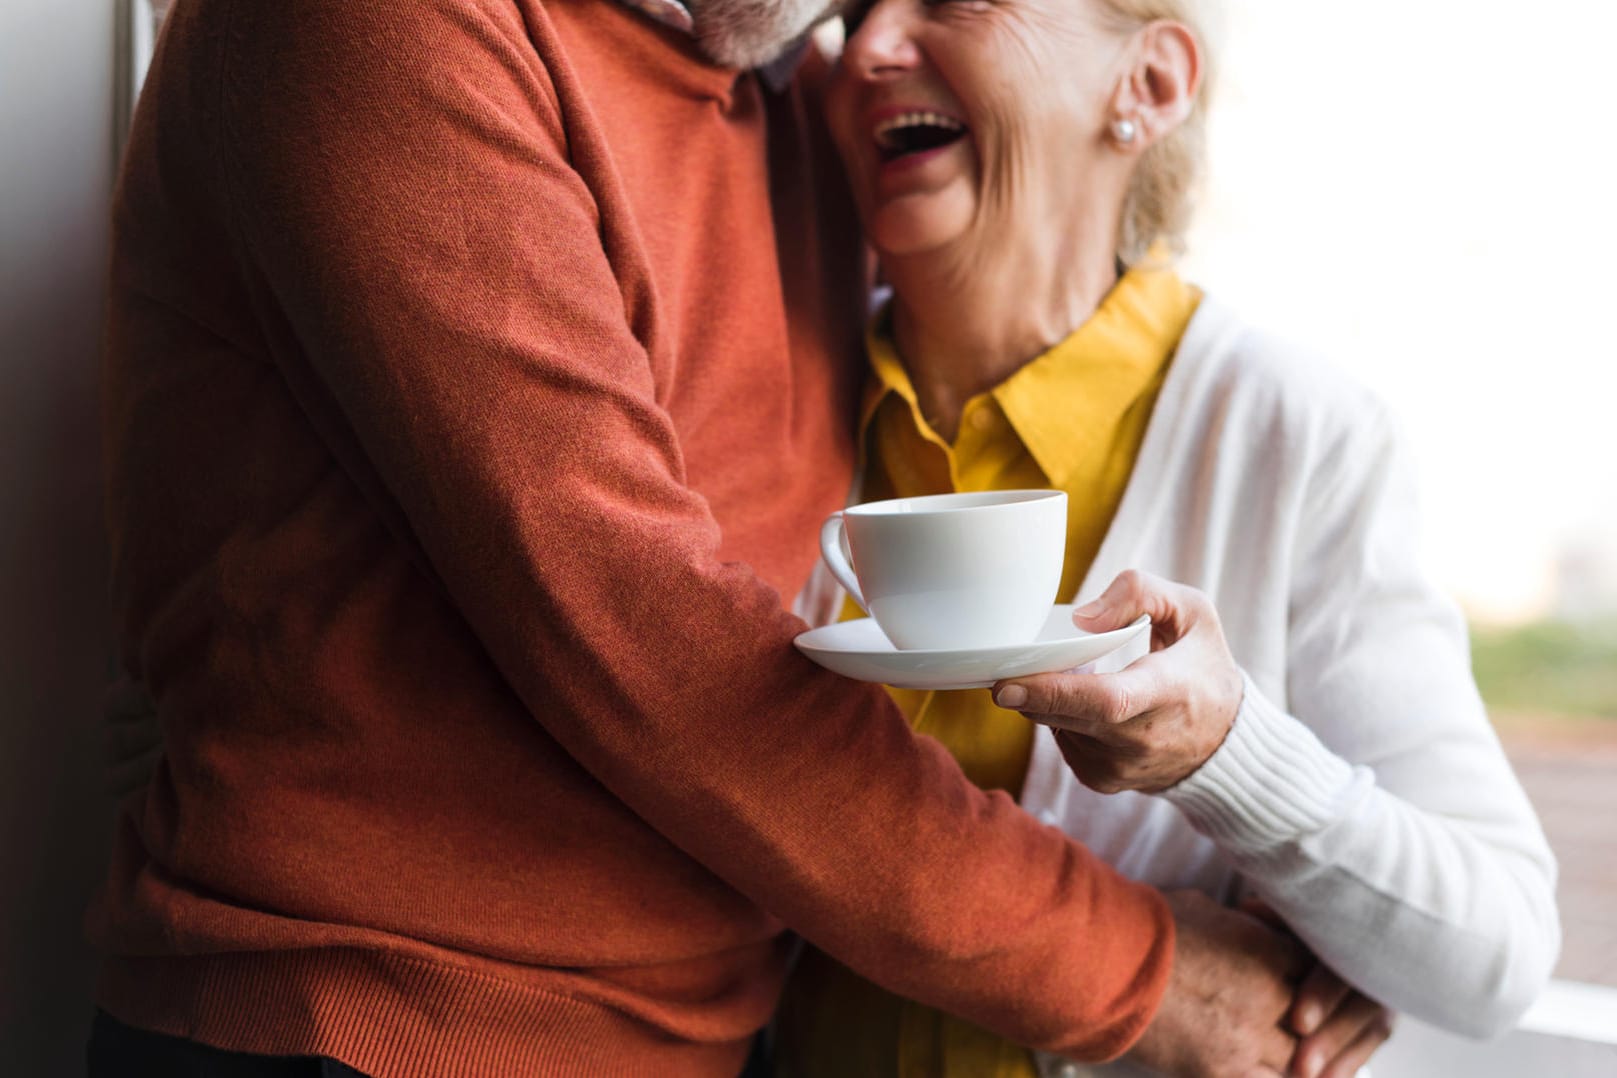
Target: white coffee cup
952,571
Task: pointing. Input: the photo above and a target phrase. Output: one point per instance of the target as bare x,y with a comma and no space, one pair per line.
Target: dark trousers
120,1051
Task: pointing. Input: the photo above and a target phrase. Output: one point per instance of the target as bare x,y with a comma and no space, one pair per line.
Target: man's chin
750,33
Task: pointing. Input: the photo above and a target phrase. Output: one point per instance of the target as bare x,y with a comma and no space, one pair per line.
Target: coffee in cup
952,571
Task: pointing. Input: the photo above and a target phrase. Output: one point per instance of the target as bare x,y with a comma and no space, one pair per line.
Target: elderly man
479,371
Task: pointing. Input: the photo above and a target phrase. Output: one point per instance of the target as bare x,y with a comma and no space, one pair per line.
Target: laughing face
965,120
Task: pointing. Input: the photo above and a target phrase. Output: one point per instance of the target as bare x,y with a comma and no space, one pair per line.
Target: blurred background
58,100
1425,188
1426,191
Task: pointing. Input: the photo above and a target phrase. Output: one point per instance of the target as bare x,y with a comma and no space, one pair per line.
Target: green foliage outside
1548,668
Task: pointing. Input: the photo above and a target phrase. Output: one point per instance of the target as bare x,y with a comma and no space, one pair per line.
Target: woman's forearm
1443,909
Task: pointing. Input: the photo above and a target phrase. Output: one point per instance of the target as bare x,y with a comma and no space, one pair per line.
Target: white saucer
860,650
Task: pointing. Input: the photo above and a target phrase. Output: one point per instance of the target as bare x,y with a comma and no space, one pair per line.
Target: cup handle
834,551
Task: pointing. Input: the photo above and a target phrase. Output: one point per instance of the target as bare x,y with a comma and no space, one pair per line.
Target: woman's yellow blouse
1073,420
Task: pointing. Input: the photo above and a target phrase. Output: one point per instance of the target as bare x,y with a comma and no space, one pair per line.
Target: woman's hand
1151,725
1338,1028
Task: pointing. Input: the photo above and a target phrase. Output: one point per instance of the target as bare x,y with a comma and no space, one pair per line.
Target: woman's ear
1158,90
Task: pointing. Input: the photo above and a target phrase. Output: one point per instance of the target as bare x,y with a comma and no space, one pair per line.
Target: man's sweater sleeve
1418,871
400,179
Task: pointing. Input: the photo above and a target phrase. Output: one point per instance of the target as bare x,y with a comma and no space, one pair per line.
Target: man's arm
402,180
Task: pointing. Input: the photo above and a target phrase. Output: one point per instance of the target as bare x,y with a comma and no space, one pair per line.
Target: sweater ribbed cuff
1271,782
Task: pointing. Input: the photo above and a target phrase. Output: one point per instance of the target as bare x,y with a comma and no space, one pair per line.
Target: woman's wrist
1271,781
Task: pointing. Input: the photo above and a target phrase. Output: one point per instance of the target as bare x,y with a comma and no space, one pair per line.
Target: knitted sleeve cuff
1271,781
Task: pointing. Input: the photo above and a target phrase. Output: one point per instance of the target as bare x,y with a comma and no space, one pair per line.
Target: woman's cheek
1007,159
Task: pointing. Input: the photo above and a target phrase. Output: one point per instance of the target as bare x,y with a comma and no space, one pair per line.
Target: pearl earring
1124,130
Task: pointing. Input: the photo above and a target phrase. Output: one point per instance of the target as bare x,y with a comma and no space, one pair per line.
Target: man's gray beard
749,33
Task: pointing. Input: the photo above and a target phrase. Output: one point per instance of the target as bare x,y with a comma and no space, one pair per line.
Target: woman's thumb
1116,607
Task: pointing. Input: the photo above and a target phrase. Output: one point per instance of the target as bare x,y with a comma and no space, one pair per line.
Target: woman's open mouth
917,131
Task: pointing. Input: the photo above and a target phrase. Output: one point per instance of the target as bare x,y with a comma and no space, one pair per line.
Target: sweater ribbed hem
392,1016
1271,782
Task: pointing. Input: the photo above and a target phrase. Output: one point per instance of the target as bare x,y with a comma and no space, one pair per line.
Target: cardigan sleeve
403,187
1379,816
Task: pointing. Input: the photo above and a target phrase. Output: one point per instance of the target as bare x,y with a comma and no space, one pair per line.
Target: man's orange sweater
469,413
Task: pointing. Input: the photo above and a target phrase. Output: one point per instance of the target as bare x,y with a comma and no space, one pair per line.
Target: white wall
56,167
1423,190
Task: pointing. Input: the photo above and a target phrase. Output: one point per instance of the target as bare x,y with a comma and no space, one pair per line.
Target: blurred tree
1548,668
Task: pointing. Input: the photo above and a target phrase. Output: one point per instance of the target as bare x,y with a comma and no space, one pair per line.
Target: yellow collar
1063,403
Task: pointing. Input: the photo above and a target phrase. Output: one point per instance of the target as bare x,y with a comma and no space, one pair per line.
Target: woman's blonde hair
1161,198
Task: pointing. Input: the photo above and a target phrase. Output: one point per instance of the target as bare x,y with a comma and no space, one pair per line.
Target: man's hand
1339,1028
1228,995
1151,725
134,737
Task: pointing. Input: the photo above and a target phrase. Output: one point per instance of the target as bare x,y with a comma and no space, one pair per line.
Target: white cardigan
1361,791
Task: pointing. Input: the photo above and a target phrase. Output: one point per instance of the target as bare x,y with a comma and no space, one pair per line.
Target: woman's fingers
1357,1054
1318,997
1348,1036
1098,766
1145,728
1129,595
1086,703
1253,906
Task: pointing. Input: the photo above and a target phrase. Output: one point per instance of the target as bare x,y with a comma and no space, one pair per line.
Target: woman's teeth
913,132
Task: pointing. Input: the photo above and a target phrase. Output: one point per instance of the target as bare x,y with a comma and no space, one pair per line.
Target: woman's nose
882,44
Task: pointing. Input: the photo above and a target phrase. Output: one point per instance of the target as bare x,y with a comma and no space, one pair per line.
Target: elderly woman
1306,713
